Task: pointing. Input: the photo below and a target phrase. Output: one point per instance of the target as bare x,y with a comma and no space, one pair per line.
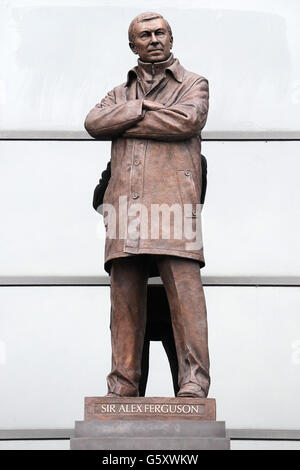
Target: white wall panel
58,58
57,344
251,219
48,226
254,341
57,349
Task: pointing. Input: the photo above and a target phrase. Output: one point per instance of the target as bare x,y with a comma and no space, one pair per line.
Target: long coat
155,160
101,187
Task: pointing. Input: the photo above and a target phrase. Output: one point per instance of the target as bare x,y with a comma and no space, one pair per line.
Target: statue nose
154,38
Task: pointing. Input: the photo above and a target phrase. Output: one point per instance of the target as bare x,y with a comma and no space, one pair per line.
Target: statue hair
145,17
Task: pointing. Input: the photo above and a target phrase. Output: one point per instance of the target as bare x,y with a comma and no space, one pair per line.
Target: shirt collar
175,68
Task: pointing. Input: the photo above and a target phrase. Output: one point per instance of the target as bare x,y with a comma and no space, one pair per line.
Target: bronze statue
154,121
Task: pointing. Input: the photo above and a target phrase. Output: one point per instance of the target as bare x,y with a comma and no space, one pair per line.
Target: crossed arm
147,119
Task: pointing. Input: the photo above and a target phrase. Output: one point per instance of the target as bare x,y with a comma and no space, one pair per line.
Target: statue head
150,37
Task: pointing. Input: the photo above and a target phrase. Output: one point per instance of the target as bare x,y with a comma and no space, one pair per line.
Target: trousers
181,278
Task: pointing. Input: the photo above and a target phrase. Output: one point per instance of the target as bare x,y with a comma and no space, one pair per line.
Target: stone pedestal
149,424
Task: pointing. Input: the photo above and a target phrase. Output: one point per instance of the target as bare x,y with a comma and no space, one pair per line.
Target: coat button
187,172
135,195
194,212
137,162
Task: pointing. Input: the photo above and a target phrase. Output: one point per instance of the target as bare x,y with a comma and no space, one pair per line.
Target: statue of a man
152,203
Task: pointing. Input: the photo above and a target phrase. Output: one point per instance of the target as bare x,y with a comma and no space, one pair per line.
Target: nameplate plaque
150,408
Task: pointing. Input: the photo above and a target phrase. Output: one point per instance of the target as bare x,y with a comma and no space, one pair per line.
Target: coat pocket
188,192
191,208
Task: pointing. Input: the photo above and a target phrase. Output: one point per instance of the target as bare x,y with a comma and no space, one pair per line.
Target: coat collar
175,68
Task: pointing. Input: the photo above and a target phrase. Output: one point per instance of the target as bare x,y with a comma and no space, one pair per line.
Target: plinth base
149,424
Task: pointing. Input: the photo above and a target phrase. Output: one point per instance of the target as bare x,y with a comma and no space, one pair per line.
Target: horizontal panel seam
234,434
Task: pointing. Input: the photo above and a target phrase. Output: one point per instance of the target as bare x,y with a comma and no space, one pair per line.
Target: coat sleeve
182,120
108,119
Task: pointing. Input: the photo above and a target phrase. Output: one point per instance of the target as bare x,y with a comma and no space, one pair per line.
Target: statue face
152,40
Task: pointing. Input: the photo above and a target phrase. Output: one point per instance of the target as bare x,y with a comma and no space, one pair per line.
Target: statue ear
132,47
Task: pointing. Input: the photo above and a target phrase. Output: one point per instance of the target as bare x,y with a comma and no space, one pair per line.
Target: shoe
192,390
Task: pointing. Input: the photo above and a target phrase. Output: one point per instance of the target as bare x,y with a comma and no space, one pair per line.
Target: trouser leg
182,280
128,321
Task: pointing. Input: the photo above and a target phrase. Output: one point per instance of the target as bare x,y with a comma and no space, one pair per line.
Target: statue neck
150,72
156,66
